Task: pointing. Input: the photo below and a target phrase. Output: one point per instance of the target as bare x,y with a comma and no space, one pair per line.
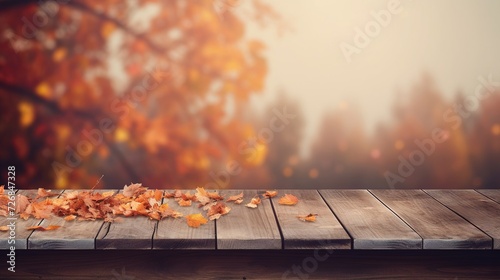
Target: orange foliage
238,199
253,203
288,199
195,220
308,218
269,194
40,228
96,89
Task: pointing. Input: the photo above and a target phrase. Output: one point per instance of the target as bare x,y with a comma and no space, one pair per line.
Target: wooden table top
347,220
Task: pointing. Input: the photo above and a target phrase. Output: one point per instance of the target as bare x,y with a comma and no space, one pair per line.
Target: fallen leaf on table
4,228
188,196
309,218
184,203
40,210
158,195
269,194
70,218
71,194
133,190
21,203
217,210
166,211
215,195
202,196
44,193
238,199
154,216
51,227
254,202
288,199
195,220
170,195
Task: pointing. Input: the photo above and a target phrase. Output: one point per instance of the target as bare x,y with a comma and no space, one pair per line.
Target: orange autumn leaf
138,207
215,195
158,195
44,193
108,193
21,203
4,228
288,199
254,202
70,218
170,195
195,220
51,227
308,218
166,211
188,196
133,190
217,209
184,203
238,199
40,210
202,196
154,216
269,194
177,193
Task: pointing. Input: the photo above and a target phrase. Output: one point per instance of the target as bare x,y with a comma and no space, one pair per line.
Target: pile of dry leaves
133,200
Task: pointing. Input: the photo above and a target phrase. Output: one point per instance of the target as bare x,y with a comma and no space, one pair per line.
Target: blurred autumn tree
339,154
465,155
134,90
485,142
283,156
445,164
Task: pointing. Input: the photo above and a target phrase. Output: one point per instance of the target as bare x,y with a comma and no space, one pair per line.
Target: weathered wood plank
481,211
326,232
22,234
246,228
4,235
129,233
370,224
439,227
71,234
255,264
176,234
492,194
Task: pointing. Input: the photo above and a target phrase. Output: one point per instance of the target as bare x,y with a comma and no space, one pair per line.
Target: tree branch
88,115
120,24
9,4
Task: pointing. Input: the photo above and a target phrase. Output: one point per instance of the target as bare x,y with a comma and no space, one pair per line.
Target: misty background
251,94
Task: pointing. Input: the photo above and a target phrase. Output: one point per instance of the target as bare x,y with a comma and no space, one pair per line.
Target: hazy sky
455,41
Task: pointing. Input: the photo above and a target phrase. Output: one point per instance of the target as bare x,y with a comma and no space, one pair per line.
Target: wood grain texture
439,227
246,228
326,232
370,224
22,233
128,233
176,234
71,234
492,194
481,211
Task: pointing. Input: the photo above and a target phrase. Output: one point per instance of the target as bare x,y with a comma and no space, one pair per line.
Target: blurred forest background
158,92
